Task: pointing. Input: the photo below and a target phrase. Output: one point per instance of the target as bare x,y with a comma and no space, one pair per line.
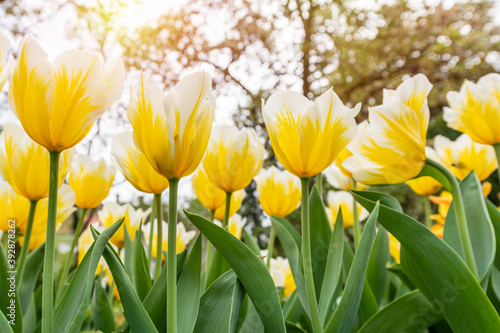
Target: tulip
173,133
236,201
340,181
438,229
306,137
282,275
464,155
426,185
85,241
443,201
394,248
6,59
344,200
112,212
25,165
13,207
208,194
183,239
57,104
134,165
236,225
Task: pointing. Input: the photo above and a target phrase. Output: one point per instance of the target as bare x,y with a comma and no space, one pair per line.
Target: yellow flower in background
307,136
475,109
236,200
236,224
233,157
25,164
85,241
426,185
282,275
345,201
438,229
12,207
340,181
443,201
208,194
173,131
344,155
134,165
6,59
183,238
394,248
464,155
111,212
391,149
65,207
279,192
58,103
91,181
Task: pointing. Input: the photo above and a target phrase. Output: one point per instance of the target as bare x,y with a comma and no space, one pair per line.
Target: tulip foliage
357,263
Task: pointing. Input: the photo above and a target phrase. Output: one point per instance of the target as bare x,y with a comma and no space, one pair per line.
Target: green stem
151,232
225,223
458,203
159,236
496,146
69,256
319,181
355,217
209,254
428,212
172,257
27,235
50,246
270,246
307,258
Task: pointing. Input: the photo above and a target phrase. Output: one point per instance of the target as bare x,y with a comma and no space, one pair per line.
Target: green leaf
129,255
385,199
332,283
134,311
398,271
251,271
249,320
71,309
32,269
411,313
291,242
220,305
4,323
218,267
436,174
292,328
188,288
321,233
6,295
368,305
140,269
102,311
344,316
439,272
376,272
479,224
251,242
495,220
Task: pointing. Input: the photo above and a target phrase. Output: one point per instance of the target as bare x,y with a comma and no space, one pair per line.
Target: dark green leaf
251,271
140,271
376,272
34,263
9,300
102,311
251,242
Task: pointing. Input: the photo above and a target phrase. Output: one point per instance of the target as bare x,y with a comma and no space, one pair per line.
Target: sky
53,35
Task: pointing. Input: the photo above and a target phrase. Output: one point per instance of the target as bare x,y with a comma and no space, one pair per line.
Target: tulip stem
458,203
428,212
209,253
67,260
159,236
270,246
151,232
355,217
496,146
307,258
27,235
225,223
50,246
319,181
172,257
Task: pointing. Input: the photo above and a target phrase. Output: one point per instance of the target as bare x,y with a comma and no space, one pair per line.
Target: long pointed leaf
34,263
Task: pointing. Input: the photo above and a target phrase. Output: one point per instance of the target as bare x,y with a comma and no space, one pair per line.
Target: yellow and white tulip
236,225
279,192
25,165
307,136
233,157
236,200
426,185
208,194
173,131
6,59
57,103
13,207
134,165
91,181
391,149
345,201
282,275
183,238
